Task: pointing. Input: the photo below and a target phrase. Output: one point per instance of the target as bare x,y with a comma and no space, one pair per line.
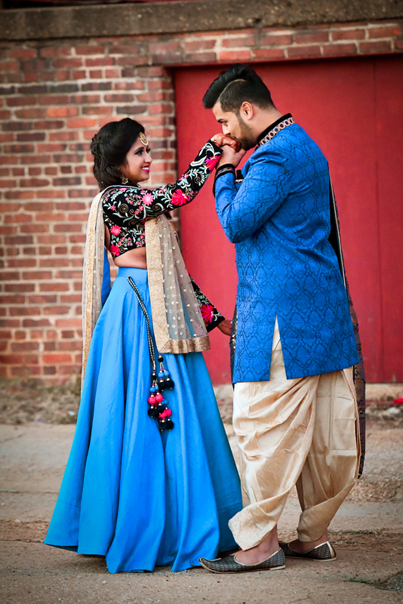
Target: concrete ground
367,533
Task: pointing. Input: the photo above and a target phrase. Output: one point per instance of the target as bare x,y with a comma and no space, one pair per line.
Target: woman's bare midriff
135,258
132,259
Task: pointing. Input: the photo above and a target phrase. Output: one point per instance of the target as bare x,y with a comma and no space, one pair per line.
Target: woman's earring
123,179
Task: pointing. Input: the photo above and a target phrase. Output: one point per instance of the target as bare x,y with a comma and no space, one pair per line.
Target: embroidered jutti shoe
231,565
324,552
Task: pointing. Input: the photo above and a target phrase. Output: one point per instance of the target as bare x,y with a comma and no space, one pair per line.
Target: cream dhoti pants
301,432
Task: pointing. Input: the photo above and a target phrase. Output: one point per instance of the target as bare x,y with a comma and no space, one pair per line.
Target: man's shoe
231,565
324,552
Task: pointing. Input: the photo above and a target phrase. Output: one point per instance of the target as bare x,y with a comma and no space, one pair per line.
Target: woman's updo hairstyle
110,146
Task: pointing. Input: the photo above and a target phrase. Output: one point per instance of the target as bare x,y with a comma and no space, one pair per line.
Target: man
295,414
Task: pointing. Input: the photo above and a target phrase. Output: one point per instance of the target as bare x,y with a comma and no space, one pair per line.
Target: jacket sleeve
122,203
211,316
243,209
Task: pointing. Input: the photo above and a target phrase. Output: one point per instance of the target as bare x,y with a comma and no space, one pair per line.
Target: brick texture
54,96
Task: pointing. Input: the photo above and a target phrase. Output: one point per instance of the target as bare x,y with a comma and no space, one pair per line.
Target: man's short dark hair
236,85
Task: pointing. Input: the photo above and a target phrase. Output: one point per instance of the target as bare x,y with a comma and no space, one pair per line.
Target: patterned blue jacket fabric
279,219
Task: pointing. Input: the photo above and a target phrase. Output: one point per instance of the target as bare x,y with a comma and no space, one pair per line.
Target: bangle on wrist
226,168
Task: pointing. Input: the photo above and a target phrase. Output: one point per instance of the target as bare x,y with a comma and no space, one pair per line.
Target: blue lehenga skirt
139,497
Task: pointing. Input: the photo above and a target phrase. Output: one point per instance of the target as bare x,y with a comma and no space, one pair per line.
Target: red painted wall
352,108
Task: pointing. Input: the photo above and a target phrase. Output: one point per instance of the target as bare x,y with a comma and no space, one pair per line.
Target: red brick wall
55,96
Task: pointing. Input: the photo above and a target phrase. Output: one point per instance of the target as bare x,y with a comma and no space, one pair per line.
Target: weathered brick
112,73
36,323
34,182
97,86
63,136
24,311
301,52
53,51
53,99
97,110
32,65
84,99
67,63
385,31
22,53
31,136
62,111
81,122
19,287
132,109
95,74
199,45
31,76
24,346
36,275
239,41
21,101
57,358
268,54
34,228
30,113
47,299
347,34
311,37
5,115
330,50
275,39
100,62
79,74
375,47
49,370
56,310
70,323
48,125
27,370
54,286
90,49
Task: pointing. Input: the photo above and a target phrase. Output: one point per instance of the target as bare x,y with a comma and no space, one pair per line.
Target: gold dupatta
178,325
92,275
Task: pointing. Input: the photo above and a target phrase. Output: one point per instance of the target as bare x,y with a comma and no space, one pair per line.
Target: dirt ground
367,531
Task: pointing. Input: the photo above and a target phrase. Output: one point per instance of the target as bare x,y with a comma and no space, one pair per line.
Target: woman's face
138,161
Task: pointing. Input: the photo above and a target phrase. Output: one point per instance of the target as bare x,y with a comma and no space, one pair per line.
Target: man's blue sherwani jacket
279,219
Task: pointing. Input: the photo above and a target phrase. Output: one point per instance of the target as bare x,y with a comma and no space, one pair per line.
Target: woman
135,492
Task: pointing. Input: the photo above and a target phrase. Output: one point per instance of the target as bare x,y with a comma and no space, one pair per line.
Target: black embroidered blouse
127,207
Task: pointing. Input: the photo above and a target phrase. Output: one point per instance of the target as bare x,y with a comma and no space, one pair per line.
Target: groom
295,412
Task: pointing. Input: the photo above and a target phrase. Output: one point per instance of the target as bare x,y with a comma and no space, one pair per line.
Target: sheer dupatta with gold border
178,324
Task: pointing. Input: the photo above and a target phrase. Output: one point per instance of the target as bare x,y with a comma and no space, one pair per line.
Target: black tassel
165,384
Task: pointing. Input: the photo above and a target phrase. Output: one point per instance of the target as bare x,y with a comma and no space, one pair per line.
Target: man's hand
229,156
221,139
225,327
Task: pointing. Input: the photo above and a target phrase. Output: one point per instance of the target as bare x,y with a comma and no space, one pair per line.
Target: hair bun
95,146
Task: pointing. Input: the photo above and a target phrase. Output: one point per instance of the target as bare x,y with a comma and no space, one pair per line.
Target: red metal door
352,108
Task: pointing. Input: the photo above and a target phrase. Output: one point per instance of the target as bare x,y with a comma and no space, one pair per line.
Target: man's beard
246,139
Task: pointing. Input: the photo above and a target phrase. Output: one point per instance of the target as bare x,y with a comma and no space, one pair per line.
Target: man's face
235,126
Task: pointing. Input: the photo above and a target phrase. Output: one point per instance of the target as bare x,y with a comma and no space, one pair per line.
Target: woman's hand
225,327
230,156
221,140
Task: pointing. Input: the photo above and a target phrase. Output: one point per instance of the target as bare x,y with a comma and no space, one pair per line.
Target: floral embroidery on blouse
126,208
210,315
